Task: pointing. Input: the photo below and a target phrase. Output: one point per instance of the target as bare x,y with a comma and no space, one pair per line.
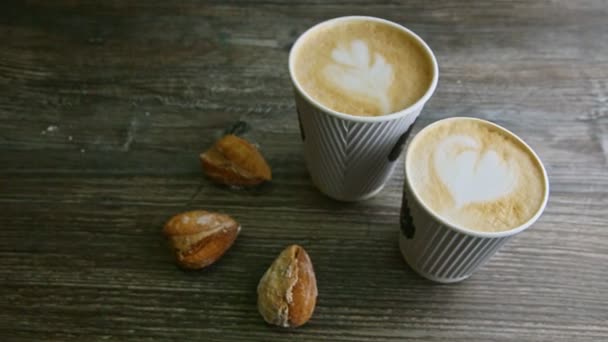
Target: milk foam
471,174
355,72
475,175
362,67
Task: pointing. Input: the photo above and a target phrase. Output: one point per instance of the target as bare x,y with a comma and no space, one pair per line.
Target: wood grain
105,107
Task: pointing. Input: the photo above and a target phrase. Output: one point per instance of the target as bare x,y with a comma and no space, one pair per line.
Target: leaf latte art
362,67
355,72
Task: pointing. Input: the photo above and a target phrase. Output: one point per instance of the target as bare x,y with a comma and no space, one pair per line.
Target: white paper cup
445,252
349,157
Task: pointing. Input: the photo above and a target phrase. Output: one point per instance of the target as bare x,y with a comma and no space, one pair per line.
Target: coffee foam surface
363,67
475,175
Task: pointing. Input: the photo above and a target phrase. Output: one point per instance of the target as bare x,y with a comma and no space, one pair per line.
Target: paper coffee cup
446,252
349,157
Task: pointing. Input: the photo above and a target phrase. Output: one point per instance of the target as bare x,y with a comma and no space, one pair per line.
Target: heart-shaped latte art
354,72
473,175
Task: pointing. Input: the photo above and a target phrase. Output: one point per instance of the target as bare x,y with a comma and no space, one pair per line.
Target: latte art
471,174
362,67
355,72
475,175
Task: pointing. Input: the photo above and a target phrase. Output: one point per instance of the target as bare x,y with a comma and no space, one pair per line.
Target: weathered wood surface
104,108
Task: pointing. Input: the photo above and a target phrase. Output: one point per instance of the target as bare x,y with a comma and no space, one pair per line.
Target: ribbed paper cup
445,252
349,157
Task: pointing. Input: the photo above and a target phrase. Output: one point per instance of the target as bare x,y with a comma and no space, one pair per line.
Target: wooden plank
105,107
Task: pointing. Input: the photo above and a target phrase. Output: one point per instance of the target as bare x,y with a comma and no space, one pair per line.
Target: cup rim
358,118
460,228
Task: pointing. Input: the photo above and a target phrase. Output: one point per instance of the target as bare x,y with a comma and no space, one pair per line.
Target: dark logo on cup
406,221
396,150
302,135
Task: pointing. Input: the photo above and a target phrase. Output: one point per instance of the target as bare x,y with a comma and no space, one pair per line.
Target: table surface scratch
104,110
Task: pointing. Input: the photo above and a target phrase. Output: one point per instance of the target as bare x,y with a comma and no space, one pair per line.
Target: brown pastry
235,161
287,293
199,238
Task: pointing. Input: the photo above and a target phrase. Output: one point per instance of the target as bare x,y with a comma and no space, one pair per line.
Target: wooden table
104,109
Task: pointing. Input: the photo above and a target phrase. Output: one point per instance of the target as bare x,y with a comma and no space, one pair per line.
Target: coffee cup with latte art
359,83
470,185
